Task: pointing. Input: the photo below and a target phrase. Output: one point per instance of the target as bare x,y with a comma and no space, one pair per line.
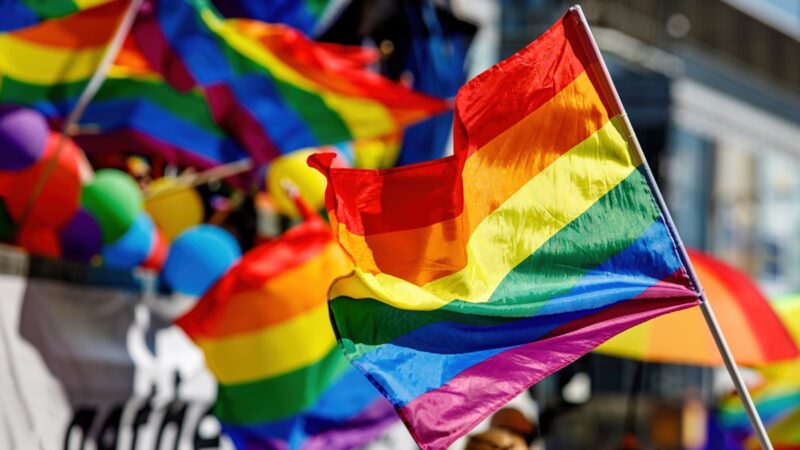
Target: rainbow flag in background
266,335
272,87
136,110
774,400
47,66
785,435
16,14
65,50
756,335
778,396
478,274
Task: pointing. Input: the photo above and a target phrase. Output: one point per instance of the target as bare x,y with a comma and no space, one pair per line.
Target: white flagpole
705,306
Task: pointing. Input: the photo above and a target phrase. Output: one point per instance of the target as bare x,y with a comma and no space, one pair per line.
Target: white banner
92,368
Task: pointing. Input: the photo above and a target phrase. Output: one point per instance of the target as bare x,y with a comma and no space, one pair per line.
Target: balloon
114,199
80,238
39,241
198,257
158,251
309,182
133,247
23,133
173,208
59,198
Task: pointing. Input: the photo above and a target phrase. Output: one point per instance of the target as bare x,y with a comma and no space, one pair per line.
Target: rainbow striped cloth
17,14
266,335
785,434
272,87
779,394
478,274
47,66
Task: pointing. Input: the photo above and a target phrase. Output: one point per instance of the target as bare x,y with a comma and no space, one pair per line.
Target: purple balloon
23,133
81,237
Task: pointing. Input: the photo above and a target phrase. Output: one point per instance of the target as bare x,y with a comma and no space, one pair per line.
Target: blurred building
713,90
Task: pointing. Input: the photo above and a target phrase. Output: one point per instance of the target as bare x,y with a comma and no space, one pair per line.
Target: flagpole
705,306
88,93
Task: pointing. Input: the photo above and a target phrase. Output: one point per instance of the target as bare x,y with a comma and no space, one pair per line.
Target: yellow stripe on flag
38,64
86,4
499,164
265,353
515,230
364,118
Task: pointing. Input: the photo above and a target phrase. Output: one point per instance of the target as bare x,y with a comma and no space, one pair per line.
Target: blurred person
496,439
629,442
514,421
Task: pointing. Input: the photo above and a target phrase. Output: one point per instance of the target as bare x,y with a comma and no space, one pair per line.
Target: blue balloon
198,257
133,247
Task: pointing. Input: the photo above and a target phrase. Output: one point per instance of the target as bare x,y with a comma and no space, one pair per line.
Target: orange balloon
40,241
60,196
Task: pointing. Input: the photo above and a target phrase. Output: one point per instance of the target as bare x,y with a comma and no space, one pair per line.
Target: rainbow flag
779,394
478,274
137,111
774,400
48,65
65,50
265,332
17,14
784,435
272,87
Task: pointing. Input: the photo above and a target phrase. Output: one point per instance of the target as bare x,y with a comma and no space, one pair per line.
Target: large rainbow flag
47,66
267,338
17,14
272,87
478,274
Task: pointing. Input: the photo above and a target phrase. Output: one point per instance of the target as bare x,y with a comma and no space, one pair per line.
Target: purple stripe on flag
355,432
335,435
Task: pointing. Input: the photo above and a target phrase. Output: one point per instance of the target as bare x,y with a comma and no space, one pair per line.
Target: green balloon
114,199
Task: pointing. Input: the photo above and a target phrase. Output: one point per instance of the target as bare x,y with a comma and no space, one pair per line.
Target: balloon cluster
53,205
293,170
